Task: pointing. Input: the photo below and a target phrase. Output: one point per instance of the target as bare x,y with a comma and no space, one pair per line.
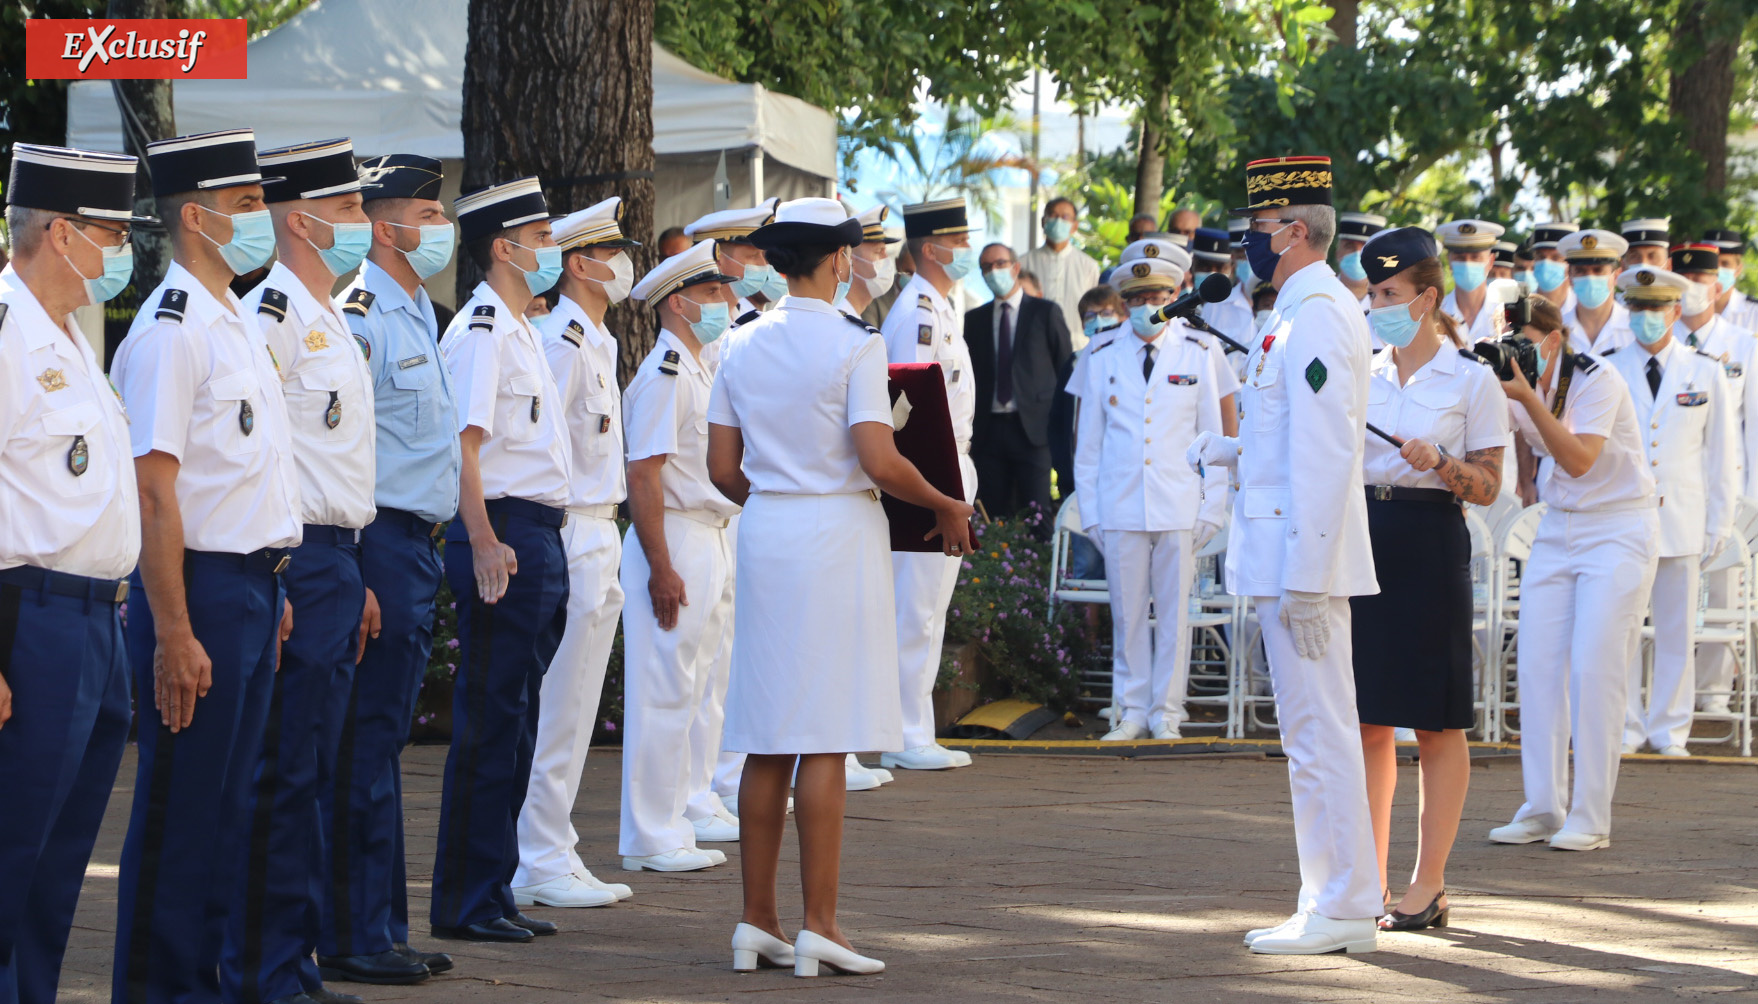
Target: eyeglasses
124,232
992,266
1262,223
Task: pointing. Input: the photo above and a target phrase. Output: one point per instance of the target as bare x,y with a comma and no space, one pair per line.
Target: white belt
606,511
870,493
701,516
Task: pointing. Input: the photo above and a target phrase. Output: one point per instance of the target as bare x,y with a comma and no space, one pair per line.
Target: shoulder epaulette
1586,363
483,317
668,364
1707,356
172,305
574,334
1607,352
924,300
1474,357
1102,346
747,317
358,302
857,322
1317,296
1192,339
274,304
3,309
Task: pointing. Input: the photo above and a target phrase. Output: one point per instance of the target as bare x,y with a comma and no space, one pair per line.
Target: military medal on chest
78,456
246,417
1269,340
536,407
333,414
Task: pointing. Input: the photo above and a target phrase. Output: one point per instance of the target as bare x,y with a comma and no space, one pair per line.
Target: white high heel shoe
812,950
753,947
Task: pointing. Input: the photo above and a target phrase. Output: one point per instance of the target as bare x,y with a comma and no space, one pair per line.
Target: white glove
1307,616
1213,450
1097,536
1204,532
1712,552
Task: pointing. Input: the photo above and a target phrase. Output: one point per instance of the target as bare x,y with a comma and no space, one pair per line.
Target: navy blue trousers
187,828
366,906
505,649
274,920
64,660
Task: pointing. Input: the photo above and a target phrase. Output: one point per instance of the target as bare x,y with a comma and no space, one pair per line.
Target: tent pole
756,176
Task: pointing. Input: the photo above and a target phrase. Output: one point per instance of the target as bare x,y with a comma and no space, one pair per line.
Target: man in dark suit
1018,345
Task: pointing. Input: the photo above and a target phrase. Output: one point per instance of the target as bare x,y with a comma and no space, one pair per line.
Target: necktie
1004,356
1691,339
1147,364
1653,377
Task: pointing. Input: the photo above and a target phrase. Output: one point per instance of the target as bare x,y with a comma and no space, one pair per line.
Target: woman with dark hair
800,433
1413,638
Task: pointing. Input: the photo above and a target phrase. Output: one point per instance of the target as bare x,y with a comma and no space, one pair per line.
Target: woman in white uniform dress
800,432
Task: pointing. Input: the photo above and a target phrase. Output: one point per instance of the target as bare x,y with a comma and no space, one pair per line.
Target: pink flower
610,726
452,643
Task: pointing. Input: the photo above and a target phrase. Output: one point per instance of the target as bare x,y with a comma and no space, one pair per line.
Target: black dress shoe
324,995
1434,916
537,927
436,962
498,929
387,968
298,998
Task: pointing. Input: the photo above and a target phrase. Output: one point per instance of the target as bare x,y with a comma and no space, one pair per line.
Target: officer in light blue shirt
365,916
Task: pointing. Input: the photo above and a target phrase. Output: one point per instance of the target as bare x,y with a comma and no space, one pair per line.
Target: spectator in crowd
1018,345
673,240
1141,225
1028,281
541,305
1101,311
1184,221
1063,270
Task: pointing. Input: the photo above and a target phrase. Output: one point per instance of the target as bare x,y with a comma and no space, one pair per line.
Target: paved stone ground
1066,879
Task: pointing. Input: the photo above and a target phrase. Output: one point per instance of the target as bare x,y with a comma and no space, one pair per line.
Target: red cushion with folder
925,440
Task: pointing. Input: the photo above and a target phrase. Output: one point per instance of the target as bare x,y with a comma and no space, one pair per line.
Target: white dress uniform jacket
328,387
1451,401
1484,326
1737,350
666,414
201,386
503,386
54,401
1741,311
1615,335
583,359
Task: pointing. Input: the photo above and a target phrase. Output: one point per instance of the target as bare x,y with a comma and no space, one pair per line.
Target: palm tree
961,160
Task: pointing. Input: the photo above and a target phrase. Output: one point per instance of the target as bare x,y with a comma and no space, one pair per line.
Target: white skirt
814,658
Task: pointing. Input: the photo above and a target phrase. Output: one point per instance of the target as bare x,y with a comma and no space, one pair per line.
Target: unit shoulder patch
172,305
274,304
574,334
1316,374
358,302
668,363
365,347
925,334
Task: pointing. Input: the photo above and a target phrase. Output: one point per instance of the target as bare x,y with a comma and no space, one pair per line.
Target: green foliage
954,161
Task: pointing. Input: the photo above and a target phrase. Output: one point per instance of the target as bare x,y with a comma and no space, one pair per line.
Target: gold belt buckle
281,566
121,590
1382,493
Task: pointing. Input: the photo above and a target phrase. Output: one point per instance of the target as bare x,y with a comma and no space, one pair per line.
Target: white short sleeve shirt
665,414
1451,401
583,358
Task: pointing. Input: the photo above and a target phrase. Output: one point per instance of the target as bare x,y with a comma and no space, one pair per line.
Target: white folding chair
1483,619
1214,626
1513,546
1096,676
1725,626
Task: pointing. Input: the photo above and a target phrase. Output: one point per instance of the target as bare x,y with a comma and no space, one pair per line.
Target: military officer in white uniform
596,273
1353,230
1738,307
924,327
1146,397
1683,402
1648,242
755,283
1470,246
1300,545
1597,323
1583,590
1233,316
70,535
1503,265
676,570
1550,270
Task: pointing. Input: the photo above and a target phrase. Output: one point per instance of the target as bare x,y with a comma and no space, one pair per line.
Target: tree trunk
145,107
1708,36
1343,21
563,89
1150,171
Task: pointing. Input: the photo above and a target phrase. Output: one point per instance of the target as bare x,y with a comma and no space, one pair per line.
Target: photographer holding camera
1584,588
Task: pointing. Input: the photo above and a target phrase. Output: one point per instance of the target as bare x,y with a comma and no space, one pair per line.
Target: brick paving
1075,879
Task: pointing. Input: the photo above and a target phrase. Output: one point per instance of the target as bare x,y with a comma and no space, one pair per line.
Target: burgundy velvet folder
925,440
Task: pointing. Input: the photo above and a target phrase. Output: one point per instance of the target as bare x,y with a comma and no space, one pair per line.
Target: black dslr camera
1507,352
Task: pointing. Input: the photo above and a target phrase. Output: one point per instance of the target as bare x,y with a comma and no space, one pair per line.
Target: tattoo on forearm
1477,478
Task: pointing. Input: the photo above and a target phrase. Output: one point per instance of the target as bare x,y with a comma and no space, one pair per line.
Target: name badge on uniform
333,414
1692,398
412,361
1181,379
1732,369
246,418
536,407
603,424
78,456
925,335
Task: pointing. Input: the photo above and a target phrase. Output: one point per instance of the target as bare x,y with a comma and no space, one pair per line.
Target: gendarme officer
70,534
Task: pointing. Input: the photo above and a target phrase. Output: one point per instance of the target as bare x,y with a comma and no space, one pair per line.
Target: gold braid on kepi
1286,181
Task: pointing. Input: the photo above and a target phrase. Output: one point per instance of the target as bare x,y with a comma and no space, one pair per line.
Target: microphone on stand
1213,289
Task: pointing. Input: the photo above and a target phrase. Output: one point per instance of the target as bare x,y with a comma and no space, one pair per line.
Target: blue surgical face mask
712,321
118,269
434,252
1000,281
253,240
348,247
548,270
1140,319
1468,275
1257,252
963,263
1591,290
1242,271
1549,274
1649,326
1350,266
1394,325
1726,275
1097,323
1057,229
842,285
758,279
1524,278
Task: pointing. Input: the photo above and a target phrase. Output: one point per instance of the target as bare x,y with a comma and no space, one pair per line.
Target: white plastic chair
1062,588
1483,612
1513,546
1729,627
1214,625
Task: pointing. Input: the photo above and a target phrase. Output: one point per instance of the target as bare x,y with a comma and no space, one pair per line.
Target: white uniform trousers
666,677
1716,667
568,704
715,776
1582,596
1667,721
1321,736
1150,672
922,583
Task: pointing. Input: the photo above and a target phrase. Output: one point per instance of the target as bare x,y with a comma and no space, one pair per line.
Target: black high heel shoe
1434,916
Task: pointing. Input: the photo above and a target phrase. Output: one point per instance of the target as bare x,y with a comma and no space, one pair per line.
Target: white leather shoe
1522,831
753,947
732,804
564,891
812,951
1630,749
1126,732
963,758
1715,705
1166,731
1402,735
1320,935
881,773
929,757
617,889
680,859
856,777
718,857
1672,750
720,828
1570,840
1295,918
